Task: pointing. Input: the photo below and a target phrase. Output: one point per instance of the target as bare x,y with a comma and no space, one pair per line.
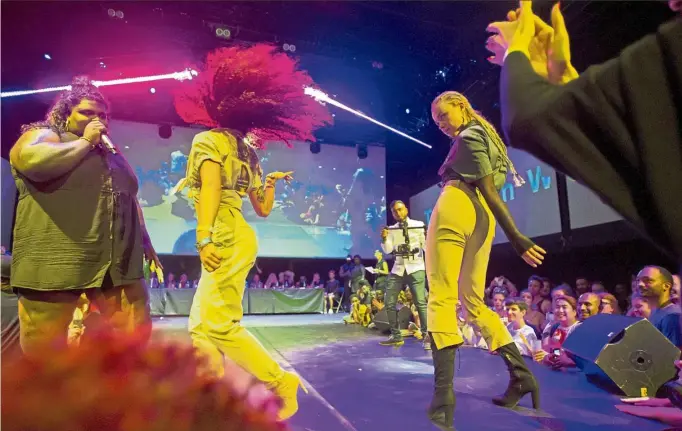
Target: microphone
106,142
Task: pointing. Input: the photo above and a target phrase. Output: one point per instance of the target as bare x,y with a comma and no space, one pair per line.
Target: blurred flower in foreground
120,383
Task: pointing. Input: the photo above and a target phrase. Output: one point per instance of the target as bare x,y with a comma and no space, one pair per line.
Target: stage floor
355,384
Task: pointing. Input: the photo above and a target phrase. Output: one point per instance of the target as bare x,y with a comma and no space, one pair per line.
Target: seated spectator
655,284
360,313
524,336
184,282
316,282
609,304
559,291
271,282
598,287
566,316
640,307
333,291
106,384
377,302
622,293
499,298
302,282
589,304
255,282
170,282
501,284
534,318
582,285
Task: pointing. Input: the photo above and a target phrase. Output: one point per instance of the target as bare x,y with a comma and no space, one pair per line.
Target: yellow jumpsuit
216,313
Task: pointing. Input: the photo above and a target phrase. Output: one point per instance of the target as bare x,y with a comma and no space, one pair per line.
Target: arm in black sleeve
611,129
499,209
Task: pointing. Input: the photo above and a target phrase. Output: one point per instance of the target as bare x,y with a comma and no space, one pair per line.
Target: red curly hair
120,383
253,90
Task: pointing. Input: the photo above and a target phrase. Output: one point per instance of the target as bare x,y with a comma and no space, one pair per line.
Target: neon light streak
324,98
180,76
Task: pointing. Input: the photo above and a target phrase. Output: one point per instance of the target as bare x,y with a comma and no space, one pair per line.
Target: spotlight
315,147
102,65
152,90
111,13
407,111
362,151
165,131
119,14
289,47
224,33
47,57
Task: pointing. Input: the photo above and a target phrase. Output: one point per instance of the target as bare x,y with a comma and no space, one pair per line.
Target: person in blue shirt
655,283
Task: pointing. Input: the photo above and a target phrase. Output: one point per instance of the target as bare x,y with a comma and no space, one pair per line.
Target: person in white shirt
408,269
523,335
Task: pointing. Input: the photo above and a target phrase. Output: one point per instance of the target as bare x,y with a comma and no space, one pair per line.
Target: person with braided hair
79,227
247,96
458,244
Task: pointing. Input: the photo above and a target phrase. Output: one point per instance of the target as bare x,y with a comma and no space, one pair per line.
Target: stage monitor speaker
381,319
623,352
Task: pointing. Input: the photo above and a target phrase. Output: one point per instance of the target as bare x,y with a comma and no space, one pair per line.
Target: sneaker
427,342
393,341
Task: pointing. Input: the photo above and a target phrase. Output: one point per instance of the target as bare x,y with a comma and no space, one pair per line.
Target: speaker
381,319
621,352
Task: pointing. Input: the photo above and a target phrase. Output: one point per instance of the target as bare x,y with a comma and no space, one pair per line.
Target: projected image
335,205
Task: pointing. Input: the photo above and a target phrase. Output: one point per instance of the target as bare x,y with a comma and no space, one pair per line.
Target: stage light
111,13
47,57
152,90
165,131
186,74
315,147
102,65
320,167
119,14
224,33
322,97
362,151
407,111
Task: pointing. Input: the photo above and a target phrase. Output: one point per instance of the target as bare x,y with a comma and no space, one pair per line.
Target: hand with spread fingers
547,48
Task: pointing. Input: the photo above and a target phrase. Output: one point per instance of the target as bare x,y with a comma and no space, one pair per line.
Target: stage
355,384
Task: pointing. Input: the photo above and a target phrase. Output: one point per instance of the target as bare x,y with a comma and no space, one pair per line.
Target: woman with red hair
247,96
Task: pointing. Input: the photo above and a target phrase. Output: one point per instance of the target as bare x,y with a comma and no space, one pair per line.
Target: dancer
79,227
405,239
458,245
248,96
615,128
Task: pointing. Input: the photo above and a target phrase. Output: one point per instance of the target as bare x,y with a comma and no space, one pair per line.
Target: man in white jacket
406,241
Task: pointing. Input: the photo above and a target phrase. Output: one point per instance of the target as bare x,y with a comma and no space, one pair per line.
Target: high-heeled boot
442,409
287,389
521,380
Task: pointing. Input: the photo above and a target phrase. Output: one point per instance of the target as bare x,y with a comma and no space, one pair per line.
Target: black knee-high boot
521,380
442,409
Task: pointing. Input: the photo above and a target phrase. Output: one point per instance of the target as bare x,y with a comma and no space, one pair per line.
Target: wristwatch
203,243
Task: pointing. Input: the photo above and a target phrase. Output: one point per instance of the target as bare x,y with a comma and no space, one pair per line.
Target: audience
333,291
588,305
609,304
655,284
534,318
524,336
640,307
566,315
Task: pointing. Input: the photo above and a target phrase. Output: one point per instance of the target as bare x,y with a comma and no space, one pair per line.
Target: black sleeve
616,129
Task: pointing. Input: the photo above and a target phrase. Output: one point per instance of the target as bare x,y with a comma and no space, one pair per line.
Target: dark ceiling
378,57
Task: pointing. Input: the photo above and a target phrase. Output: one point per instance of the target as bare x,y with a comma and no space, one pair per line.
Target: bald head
588,305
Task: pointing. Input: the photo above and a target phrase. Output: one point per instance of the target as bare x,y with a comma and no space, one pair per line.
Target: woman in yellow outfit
459,240
248,96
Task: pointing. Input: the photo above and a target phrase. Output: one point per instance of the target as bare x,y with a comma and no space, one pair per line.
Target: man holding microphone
406,241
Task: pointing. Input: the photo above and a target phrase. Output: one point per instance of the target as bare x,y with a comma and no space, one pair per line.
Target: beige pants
214,320
459,241
44,316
